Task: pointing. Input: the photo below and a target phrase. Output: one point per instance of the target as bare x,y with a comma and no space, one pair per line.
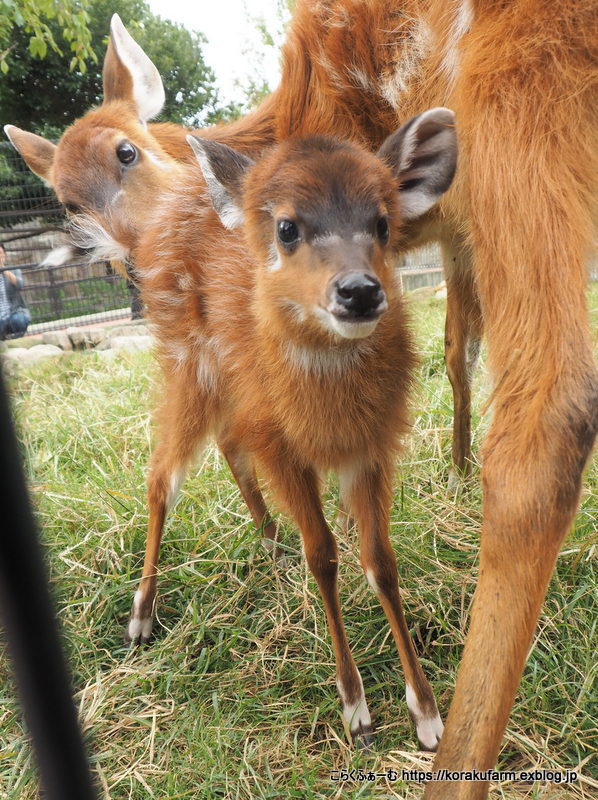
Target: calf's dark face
322,217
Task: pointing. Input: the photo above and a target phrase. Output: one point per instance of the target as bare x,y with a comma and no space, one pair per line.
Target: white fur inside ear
148,90
231,215
408,149
415,203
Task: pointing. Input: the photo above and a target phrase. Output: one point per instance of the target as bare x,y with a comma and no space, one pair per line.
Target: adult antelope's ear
37,151
129,74
423,155
224,170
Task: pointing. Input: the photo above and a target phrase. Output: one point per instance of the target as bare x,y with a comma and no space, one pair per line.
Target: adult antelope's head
108,168
323,218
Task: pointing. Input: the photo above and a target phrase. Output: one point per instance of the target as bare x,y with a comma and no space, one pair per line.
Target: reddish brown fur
222,285
525,97
516,230
225,325
93,140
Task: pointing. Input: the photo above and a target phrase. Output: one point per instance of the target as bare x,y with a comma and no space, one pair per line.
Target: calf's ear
128,73
224,170
422,153
37,152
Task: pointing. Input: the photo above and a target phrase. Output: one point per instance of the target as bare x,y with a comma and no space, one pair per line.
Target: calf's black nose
359,294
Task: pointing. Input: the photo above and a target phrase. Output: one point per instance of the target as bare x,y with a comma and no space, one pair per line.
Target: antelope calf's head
323,218
108,169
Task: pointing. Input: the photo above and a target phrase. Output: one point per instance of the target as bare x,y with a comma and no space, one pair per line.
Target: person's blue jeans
17,322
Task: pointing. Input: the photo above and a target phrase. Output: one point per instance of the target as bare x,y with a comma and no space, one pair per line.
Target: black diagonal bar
29,621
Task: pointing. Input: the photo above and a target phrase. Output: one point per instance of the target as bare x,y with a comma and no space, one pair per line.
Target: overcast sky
228,27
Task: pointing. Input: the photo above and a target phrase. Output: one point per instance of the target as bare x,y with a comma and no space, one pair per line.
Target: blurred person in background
14,314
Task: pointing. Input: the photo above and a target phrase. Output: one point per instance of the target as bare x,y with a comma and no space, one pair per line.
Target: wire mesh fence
67,295
60,295
23,196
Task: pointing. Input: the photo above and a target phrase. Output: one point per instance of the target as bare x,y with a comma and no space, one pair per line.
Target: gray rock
132,329
85,338
15,354
131,344
58,338
44,350
26,355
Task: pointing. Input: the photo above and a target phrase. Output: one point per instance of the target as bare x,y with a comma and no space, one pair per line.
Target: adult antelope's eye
71,208
382,230
126,153
288,232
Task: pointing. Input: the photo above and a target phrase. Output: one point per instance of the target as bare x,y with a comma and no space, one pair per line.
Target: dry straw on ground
235,698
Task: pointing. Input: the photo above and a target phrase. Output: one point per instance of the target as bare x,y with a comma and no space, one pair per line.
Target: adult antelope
515,230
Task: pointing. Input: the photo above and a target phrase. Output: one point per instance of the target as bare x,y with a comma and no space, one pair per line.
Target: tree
255,87
191,97
45,96
40,21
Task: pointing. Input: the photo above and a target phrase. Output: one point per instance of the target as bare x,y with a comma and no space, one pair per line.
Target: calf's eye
287,232
382,230
126,153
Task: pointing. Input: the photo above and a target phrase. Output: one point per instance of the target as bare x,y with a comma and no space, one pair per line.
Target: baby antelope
286,339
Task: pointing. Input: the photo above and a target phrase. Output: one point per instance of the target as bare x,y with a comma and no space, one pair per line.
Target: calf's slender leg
243,470
369,498
183,423
463,331
297,486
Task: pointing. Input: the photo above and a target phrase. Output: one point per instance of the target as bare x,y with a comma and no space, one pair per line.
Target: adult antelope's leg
530,172
182,426
369,498
461,346
298,488
531,490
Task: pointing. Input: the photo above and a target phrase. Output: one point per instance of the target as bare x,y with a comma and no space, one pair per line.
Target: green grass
235,697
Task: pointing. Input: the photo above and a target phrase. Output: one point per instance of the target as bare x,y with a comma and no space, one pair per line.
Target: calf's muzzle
358,296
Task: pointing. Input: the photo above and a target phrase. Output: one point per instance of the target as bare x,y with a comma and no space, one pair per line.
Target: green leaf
35,46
